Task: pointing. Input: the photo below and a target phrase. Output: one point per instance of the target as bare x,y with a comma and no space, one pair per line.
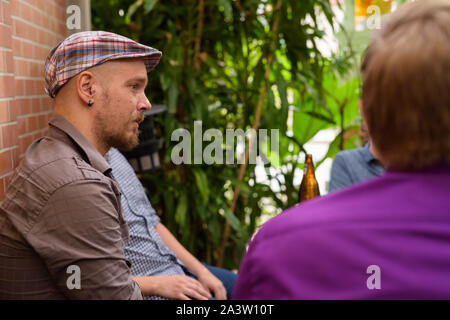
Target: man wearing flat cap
62,229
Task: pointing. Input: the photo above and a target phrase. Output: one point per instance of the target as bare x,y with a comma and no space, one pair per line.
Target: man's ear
86,87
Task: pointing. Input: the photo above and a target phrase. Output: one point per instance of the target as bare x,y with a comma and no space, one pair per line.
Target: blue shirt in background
353,166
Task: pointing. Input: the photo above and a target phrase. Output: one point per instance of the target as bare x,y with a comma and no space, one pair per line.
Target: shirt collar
89,152
366,154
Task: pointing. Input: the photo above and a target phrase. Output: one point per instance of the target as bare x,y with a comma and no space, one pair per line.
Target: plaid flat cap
84,50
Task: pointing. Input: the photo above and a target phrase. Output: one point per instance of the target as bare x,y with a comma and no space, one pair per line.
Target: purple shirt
387,238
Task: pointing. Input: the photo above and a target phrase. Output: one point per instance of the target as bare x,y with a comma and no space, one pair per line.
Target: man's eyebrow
142,80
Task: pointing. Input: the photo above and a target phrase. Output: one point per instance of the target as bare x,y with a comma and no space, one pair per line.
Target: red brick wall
29,29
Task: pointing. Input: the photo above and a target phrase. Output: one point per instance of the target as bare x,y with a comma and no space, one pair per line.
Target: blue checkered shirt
146,251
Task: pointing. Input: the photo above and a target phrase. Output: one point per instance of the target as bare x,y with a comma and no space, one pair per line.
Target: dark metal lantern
145,157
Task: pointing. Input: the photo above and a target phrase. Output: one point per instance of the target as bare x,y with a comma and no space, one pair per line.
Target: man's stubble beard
104,130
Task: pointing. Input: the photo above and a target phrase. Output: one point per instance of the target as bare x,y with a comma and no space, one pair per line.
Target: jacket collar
87,150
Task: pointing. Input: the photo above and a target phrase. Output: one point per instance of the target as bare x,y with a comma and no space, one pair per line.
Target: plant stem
270,57
198,35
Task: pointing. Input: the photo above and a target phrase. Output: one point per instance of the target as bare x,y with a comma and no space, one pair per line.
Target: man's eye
134,86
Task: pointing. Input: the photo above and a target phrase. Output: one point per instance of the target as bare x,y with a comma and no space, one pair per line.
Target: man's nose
144,105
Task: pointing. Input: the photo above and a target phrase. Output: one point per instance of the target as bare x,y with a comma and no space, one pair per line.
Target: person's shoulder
349,155
51,163
341,209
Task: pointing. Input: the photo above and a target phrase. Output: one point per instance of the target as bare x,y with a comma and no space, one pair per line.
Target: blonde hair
406,86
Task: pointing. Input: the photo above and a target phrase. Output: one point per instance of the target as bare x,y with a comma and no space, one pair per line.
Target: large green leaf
201,181
181,210
244,187
231,218
306,126
172,97
148,5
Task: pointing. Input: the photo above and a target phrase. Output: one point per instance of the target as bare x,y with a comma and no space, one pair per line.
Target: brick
17,47
24,143
1,12
35,105
5,162
20,68
60,12
35,69
34,3
41,36
26,86
7,86
28,50
5,36
4,112
6,13
14,110
24,106
26,12
2,61
32,124
38,17
52,25
21,126
15,157
19,87
50,8
40,87
9,135
9,62
29,87
2,189
24,30
61,28
49,116
15,9
37,135
34,84
61,3
40,53
42,121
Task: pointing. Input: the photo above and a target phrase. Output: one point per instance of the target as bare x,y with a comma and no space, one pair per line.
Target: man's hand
178,287
210,282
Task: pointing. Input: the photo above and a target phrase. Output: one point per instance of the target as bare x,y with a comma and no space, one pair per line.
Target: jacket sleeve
79,236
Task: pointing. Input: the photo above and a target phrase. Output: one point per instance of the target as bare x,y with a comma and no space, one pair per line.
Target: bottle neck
309,166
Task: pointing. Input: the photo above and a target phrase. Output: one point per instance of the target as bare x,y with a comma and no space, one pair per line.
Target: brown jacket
62,211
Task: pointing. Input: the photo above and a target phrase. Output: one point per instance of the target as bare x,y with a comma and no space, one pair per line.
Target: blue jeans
227,277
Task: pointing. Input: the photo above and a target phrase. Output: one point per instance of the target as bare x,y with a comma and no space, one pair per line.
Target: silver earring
90,103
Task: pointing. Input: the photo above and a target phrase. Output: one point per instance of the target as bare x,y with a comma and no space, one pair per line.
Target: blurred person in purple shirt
387,238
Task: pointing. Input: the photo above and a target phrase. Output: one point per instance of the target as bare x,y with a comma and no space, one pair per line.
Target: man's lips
139,120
